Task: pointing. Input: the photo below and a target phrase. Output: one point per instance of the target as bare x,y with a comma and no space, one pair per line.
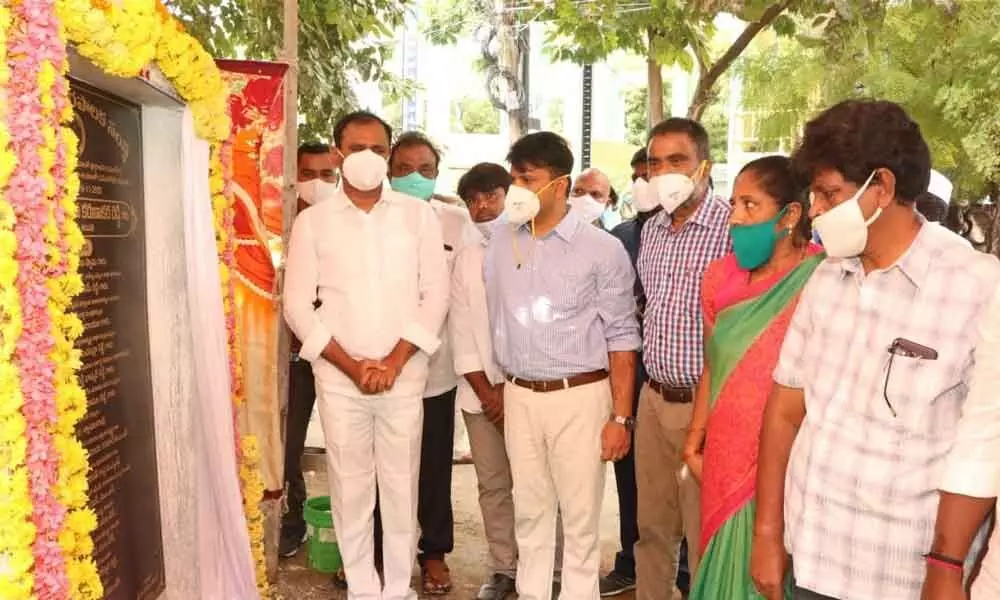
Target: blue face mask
754,244
415,185
610,219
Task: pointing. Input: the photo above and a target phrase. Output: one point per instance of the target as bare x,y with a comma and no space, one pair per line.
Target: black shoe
497,588
290,543
339,581
614,583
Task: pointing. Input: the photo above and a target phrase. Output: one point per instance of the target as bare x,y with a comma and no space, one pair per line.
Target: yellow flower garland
119,36
17,533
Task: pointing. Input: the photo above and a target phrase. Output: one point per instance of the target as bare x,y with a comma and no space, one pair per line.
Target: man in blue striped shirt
562,314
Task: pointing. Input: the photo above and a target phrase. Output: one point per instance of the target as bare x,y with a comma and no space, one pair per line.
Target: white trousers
369,438
554,445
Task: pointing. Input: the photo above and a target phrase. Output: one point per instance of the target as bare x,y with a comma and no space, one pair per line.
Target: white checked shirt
381,276
671,266
861,487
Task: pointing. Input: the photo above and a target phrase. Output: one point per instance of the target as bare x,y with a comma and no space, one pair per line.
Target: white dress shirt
469,322
861,488
455,230
381,276
973,466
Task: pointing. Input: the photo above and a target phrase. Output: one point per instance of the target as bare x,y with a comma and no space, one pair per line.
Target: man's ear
886,187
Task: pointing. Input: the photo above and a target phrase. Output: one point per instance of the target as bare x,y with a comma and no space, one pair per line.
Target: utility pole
289,54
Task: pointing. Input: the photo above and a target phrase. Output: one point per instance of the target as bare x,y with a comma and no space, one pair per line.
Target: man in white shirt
594,200
375,260
871,384
970,482
413,170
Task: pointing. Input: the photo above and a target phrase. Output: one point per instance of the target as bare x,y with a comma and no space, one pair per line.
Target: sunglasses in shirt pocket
914,376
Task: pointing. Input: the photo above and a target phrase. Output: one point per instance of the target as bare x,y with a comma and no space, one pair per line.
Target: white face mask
643,198
486,227
587,208
843,228
521,205
671,190
316,190
364,170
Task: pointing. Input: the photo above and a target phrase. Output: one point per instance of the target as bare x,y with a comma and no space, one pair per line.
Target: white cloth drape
227,570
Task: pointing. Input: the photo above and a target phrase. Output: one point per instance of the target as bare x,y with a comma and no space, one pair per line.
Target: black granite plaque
118,428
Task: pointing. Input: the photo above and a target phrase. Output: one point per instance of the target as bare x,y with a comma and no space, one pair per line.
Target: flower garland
34,49
46,532
17,532
64,241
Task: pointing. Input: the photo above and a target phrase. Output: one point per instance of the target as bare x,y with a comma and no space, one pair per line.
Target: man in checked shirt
872,383
677,245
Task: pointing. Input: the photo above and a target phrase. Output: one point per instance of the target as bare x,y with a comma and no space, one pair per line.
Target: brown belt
559,384
671,394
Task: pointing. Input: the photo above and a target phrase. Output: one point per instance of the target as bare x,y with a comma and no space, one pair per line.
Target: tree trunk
289,54
703,94
511,60
654,86
993,237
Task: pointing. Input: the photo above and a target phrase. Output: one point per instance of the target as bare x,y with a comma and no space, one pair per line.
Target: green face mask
754,244
415,185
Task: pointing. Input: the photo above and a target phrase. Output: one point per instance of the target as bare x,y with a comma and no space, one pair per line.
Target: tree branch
708,79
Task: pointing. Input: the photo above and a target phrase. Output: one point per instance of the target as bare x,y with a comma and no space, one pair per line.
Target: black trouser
434,512
804,594
301,398
628,528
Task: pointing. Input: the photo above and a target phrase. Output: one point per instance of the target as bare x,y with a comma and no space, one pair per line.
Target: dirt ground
297,582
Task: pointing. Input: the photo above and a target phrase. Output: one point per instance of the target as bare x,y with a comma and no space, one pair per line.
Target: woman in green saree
748,298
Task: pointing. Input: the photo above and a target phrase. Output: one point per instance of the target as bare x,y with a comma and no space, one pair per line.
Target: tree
504,40
475,115
932,58
670,32
336,38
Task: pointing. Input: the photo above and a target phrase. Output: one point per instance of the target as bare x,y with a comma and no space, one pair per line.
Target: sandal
436,577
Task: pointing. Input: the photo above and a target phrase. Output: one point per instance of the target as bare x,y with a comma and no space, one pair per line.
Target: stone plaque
118,429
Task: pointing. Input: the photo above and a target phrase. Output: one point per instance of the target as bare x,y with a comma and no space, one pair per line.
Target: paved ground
297,582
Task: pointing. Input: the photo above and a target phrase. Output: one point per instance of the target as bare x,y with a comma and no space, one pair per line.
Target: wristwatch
628,422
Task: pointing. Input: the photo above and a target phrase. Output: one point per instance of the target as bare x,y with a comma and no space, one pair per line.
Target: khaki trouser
496,499
668,505
489,456
554,445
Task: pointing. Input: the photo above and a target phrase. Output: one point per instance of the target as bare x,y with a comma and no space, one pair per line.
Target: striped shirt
671,266
566,307
861,488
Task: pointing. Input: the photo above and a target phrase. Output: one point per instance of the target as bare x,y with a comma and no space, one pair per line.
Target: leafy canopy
935,59
336,38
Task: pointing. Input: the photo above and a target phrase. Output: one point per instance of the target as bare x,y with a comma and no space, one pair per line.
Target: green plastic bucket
324,554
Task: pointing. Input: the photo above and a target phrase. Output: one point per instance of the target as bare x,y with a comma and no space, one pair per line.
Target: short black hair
313,148
857,137
776,176
361,117
415,138
542,150
641,156
689,127
932,207
484,177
